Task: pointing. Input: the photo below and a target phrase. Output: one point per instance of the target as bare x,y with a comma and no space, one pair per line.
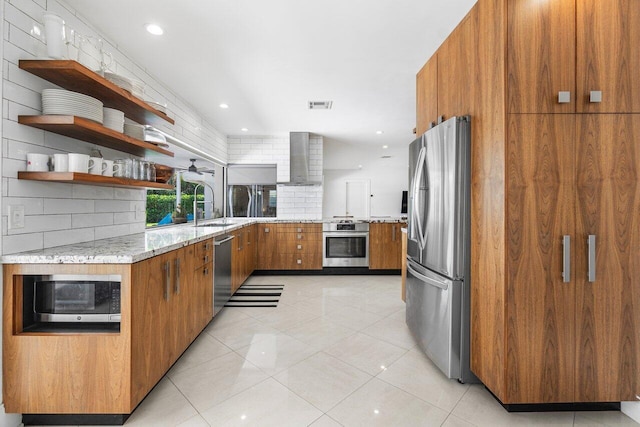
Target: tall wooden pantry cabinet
554,96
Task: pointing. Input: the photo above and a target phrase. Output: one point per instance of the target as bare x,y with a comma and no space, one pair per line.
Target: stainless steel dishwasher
222,272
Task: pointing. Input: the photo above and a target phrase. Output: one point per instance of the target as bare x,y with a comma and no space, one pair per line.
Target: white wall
388,177
58,213
294,202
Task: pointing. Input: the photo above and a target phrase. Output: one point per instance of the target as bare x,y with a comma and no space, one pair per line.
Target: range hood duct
299,156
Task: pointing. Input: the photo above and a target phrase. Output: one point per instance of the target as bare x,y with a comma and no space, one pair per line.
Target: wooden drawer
300,228
203,253
300,261
300,247
286,238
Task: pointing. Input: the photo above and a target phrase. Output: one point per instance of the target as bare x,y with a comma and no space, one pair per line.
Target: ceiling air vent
320,105
385,157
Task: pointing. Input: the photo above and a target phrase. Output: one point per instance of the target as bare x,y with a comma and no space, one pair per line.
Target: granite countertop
125,249
138,247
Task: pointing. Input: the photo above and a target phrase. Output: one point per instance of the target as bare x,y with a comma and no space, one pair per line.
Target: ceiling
268,59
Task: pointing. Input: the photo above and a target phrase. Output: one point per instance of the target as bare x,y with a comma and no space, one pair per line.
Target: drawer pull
205,271
299,236
299,247
177,289
564,97
595,96
206,259
167,279
299,261
299,230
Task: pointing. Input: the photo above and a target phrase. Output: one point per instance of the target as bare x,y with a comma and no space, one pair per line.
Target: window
161,204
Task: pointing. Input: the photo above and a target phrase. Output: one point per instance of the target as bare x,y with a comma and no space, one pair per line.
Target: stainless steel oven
345,244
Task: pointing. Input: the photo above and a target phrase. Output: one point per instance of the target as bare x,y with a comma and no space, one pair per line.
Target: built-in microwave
76,298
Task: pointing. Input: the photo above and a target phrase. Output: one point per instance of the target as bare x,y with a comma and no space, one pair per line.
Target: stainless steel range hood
299,160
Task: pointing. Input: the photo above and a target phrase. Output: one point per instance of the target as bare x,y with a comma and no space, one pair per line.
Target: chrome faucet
195,201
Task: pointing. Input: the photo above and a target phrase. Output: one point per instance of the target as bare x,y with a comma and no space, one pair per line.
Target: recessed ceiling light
154,29
385,146
224,106
379,132
244,130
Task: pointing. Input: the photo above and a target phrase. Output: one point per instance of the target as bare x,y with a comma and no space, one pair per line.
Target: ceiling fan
193,168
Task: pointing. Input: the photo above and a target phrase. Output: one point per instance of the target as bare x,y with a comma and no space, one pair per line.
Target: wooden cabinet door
150,321
540,306
267,246
250,249
427,95
182,287
457,68
540,56
608,55
608,308
385,246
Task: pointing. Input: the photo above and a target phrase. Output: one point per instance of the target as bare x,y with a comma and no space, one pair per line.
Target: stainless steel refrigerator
438,283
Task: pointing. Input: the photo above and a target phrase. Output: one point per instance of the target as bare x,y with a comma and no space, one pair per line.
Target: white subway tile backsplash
21,243
91,219
15,131
137,227
91,192
32,205
39,223
124,217
111,231
112,206
22,188
22,95
68,237
60,206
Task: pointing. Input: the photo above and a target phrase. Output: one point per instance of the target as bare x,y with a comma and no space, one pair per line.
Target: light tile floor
335,352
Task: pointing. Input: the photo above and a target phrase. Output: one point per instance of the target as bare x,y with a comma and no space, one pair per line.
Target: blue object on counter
166,220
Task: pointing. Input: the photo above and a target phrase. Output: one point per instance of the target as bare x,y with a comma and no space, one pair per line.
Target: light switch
16,217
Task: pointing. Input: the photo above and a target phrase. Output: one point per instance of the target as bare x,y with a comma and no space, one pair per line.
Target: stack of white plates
133,129
136,87
114,119
157,105
67,103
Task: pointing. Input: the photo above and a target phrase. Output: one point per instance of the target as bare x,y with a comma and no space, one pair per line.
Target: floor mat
256,296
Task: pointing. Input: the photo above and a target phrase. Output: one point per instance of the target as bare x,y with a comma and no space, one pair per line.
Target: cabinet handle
566,258
205,271
595,96
299,230
206,259
266,229
177,289
299,236
393,233
299,247
299,261
564,97
167,279
206,246
591,243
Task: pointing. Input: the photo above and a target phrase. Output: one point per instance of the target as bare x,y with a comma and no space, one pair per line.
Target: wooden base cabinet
289,246
166,301
243,255
385,246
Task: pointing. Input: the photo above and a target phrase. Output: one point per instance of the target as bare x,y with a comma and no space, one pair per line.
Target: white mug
96,167
78,162
37,162
60,162
108,167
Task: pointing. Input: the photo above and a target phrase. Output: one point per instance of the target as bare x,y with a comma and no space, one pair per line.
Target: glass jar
135,169
152,172
120,168
144,170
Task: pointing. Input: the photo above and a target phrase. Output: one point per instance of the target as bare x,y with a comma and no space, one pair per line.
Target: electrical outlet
16,217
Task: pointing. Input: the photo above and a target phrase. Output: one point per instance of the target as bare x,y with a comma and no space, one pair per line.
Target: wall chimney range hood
299,160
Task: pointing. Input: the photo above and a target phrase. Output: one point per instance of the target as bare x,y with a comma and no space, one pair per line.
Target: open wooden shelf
90,131
72,75
86,178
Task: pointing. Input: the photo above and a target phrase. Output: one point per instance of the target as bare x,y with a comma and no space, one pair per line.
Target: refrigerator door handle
416,190
566,258
427,280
